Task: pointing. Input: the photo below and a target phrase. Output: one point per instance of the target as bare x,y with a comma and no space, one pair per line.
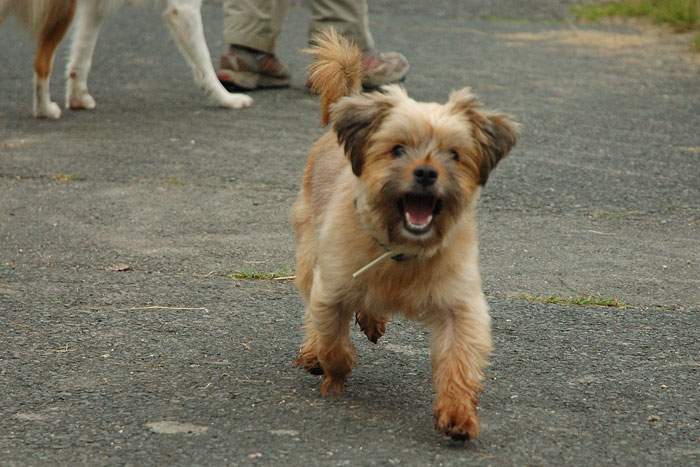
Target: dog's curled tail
336,71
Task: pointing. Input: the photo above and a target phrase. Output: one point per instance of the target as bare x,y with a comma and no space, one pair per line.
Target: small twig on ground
209,274
157,307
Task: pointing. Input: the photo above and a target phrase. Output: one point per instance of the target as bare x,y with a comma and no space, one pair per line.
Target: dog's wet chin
418,214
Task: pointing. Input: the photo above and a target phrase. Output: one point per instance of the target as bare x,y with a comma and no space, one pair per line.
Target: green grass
696,42
682,15
581,300
259,275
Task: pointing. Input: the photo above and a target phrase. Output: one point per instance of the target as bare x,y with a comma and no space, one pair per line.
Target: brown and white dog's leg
4,8
184,20
89,18
50,34
461,344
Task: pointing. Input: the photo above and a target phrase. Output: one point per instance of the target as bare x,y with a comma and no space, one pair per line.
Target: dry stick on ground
157,307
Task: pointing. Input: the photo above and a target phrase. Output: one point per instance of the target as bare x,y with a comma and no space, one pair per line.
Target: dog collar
398,257
402,257
388,253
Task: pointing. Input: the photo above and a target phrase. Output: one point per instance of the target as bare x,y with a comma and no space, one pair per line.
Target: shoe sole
248,81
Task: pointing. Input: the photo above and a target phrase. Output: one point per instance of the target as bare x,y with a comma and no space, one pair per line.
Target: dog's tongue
418,210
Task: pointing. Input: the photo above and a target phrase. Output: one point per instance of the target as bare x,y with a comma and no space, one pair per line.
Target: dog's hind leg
55,24
184,20
374,328
89,18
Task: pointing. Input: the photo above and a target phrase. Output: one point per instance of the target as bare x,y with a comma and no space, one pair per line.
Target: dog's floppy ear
354,119
500,133
494,133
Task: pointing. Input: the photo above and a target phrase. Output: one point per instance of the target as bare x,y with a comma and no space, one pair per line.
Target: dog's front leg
184,20
328,331
336,353
461,344
308,352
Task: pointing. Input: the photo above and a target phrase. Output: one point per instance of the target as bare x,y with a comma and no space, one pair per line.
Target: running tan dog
386,223
49,20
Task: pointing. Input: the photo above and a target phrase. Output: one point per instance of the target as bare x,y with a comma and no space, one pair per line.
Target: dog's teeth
418,224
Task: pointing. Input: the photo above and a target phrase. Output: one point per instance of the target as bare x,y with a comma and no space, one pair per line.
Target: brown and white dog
386,222
49,20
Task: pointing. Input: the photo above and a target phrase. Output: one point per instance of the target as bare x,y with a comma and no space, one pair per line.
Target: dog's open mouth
419,211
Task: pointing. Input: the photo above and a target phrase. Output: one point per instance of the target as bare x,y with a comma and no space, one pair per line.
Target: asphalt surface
173,363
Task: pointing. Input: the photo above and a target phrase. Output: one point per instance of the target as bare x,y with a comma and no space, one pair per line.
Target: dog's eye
454,154
398,151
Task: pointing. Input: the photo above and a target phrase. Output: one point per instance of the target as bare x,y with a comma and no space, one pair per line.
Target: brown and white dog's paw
235,101
372,327
49,110
457,419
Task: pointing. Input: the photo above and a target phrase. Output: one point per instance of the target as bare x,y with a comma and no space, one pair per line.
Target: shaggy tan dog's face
419,164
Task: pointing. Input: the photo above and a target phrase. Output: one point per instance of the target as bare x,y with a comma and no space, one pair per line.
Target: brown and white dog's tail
336,71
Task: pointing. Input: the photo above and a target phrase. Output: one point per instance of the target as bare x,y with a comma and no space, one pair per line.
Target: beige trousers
257,23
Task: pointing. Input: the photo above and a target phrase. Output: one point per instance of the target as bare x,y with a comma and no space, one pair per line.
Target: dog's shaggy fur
49,20
400,176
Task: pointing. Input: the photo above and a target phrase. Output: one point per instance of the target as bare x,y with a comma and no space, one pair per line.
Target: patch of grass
260,275
173,182
65,178
683,15
581,300
696,42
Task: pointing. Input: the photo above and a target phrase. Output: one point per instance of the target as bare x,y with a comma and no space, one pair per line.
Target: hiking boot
379,69
247,69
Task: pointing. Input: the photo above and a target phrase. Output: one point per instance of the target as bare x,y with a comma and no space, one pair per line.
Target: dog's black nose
425,175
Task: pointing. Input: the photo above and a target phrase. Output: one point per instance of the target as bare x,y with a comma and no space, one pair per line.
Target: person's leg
348,17
351,19
254,23
251,28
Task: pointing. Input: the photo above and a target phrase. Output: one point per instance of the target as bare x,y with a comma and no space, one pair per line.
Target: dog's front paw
372,327
82,102
332,385
50,110
236,101
457,419
308,360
